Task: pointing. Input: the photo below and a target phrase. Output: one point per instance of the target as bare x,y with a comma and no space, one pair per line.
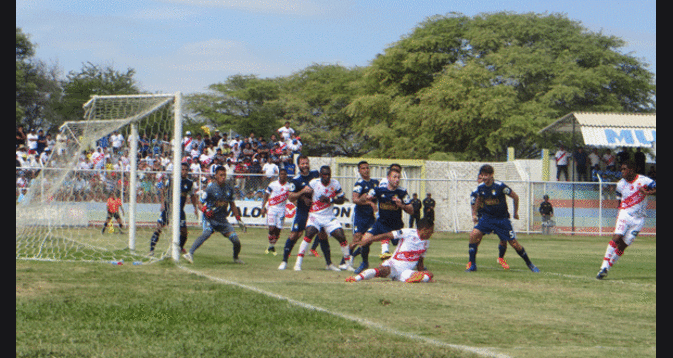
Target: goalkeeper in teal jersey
217,198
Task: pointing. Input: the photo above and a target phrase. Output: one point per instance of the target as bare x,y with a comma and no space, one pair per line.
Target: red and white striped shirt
633,201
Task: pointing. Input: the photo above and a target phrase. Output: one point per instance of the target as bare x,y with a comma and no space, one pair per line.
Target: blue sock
524,256
365,254
473,253
502,249
289,244
324,246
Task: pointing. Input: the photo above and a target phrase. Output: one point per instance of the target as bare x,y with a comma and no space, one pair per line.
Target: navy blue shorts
299,223
163,218
363,223
501,227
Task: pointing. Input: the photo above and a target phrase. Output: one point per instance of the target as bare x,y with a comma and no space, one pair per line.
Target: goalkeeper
217,198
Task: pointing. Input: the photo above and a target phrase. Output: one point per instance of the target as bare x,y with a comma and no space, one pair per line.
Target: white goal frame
177,160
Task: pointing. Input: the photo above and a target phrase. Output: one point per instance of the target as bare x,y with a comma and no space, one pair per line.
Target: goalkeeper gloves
241,224
207,212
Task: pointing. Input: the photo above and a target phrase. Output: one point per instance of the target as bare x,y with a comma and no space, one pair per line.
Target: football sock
324,247
154,240
615,257
384,246
502,249
303,246
524,256
344,250
365,253
473,253
289,244
609,252
356,252
366,274
183,241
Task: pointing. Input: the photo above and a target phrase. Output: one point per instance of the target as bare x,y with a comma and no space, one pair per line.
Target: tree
479,85
78,87
244,103
314,100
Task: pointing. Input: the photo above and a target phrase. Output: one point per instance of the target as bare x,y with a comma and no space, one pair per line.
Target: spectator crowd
251,162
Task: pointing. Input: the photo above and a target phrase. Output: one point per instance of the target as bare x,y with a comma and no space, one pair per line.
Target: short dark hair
395,165
630,164
486,168
425,223
325,167
390,170
302,156
362,162
220,168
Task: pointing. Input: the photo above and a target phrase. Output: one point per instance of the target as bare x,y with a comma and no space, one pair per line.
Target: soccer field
216,308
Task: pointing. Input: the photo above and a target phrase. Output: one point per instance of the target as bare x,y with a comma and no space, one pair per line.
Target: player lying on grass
406,264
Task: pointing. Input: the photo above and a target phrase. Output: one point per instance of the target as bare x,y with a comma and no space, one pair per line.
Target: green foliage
483,84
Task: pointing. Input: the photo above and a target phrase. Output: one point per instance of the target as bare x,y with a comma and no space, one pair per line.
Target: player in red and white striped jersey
632,191
275,197
326,192
406,264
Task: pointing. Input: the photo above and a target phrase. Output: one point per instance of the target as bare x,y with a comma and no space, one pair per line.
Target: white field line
479,351
574,277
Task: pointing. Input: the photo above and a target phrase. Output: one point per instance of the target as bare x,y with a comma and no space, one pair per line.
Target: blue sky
187,45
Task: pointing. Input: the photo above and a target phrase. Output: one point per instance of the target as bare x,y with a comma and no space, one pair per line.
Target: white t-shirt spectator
285,133
270,170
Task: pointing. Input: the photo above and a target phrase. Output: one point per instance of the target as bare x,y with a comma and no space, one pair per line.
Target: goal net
124,148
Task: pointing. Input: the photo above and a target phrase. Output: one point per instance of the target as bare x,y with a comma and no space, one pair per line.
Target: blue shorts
380,228
500,226
363,223
163,218
299,223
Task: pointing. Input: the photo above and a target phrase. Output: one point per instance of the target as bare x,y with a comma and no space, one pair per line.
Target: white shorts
400,270
628,226
329,223
275,217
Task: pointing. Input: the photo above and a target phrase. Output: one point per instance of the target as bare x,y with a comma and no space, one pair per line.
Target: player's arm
338,199
515,197
369,239
195,203
650,189
420,265
265,198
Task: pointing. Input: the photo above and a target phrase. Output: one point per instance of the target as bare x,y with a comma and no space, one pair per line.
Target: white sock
345,251
302,249
615,257
384,247
366,275
609,252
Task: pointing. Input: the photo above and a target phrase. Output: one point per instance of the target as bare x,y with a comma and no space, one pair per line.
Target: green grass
84,309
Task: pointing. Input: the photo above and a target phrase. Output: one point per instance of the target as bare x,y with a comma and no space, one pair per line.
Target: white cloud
288,7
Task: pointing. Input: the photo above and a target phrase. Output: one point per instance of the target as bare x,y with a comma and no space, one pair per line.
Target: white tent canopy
609,129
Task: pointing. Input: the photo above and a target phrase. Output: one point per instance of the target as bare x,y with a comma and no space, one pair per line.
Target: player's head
486,172
393,178
325,174
282,175
363,169
303,164
545,197
220,175
395,166
184,170
628,170
425,228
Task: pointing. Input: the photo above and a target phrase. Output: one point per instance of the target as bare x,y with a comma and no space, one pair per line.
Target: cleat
533,268
266,251
386,255
315,253
297,266
363,266
272,250
238,261
282,265
416,277
188,257
331,267
503,263
351,279
470,267
602,274
347,265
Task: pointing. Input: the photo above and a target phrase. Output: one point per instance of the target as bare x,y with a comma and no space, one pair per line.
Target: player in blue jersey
364,215
495,217
300,194
385,243
218,198
391,201
186,190
502,246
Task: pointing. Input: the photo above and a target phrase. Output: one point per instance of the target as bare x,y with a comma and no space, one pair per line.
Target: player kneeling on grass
411,247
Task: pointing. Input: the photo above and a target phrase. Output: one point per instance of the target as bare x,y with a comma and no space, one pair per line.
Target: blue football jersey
495,200
389,213
298,183
363,187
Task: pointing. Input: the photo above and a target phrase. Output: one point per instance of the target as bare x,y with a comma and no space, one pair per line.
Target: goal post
56,220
